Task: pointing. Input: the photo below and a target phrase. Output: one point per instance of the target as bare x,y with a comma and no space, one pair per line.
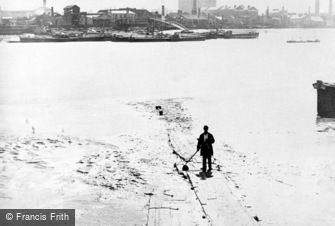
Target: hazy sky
87,5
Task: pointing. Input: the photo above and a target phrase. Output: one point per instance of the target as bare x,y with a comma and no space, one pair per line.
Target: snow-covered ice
89,137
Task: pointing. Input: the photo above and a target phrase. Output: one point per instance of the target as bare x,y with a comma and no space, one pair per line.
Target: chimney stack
330,8
267,12
317,7
194,8
163,10
44,4
52,11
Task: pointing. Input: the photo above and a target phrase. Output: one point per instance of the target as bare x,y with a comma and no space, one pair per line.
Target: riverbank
133,36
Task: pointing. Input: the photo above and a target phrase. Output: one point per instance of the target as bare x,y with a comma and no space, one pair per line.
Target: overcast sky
93,5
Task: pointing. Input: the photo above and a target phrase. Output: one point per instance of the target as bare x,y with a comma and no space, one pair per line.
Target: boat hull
247,35
156,39
326,99
52,39
188,39
308,41
136,39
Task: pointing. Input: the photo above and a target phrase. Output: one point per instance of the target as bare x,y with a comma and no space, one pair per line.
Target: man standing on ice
205,142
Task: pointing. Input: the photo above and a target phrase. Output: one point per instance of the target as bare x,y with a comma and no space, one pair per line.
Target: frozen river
261,86
256,95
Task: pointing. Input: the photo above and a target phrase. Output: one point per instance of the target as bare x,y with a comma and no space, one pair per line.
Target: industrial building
72,15
237,16
192,6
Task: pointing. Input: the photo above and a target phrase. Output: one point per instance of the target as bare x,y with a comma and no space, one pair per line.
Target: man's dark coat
206,147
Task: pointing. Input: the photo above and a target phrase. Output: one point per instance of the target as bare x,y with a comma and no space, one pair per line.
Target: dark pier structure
326,99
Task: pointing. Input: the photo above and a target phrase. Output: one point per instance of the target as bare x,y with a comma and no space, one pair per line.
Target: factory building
189,6
317,7
71,15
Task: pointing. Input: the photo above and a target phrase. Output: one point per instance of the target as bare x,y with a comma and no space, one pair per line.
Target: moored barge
113,38
240,35
303,41
52,38
187,36
181,36
326,99
139,38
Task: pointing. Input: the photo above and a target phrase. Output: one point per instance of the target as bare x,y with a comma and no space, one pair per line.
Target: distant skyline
171,5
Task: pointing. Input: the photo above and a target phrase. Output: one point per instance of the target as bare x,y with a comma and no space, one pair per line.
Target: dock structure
168,23
326,99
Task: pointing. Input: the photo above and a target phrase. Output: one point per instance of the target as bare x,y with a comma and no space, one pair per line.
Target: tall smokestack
194,8
163,10
330,8
52,12
317,7
44,3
